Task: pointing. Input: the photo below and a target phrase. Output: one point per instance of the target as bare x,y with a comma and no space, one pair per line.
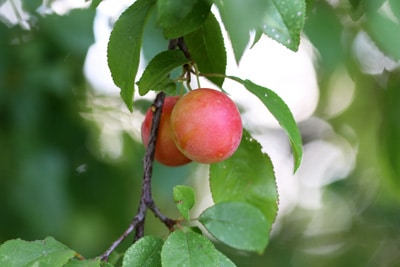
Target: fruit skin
207,125
166,151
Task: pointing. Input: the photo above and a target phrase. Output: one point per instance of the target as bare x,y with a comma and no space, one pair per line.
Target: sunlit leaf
123,50
282,113
158,69
282,20
237,224
246,176
144,253
206,46
180,17
188,249
46,253
184,199
239,31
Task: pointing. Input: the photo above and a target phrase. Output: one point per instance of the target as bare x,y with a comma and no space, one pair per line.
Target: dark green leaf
246,176
390,131
166,85
184,199
44,253
95,3
180,17
237,224
206,46
188,249
83,263
282,113
124,47
144,253
158,69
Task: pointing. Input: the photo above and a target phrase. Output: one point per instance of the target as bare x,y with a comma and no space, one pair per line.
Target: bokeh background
71,156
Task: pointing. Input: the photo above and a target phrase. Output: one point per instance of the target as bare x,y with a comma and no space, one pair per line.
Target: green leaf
239,31
166,85
158,69
83,263
284,20
124,47
225,261
184,199
206,46
44,253
246,176
395,7
389,142
95,3
106,264
385,33
144,253
237,224
180,17
282,113
188,249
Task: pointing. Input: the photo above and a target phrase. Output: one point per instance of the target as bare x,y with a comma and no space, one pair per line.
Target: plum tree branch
146,199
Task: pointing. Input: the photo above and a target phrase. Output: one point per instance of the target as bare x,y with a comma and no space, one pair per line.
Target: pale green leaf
188,249
282,113
185,199
144,253
43,253
246,176
237,224
124,46
225,261
385,33
283,21
395,7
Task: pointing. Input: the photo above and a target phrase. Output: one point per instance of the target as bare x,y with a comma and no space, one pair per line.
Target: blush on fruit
207,126
166,151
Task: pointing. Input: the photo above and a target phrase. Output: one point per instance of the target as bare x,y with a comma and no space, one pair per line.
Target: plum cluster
204,125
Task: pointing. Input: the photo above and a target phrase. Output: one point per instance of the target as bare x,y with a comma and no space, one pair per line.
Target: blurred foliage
55,180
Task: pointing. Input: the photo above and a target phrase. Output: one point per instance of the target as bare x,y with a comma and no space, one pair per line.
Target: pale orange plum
166,151
207,125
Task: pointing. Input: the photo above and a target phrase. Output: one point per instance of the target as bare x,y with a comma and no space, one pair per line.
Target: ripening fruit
207,126
166,151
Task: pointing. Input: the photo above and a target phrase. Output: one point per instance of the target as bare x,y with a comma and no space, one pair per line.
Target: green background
56,181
